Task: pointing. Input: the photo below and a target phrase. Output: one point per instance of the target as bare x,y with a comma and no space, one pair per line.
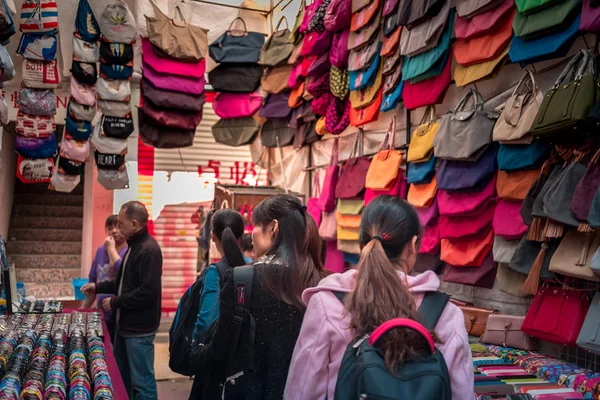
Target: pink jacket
325,334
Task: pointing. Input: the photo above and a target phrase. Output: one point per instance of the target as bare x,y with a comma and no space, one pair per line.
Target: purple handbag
464,175
586,189
320,67
590,17
389,6
173,82
338,15
339,53
327,199
483,276
301,115
275,106
429,214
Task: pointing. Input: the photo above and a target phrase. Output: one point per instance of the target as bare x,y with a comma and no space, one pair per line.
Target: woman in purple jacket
105,266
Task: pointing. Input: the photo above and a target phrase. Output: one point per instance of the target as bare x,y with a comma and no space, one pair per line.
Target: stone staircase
44,240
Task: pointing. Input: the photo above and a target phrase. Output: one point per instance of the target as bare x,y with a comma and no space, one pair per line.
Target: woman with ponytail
287,247
378,290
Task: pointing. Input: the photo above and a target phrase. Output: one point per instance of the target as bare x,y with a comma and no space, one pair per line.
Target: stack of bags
426,48
544,29
235,80
114,95
36,139
484,31
173,60
7,68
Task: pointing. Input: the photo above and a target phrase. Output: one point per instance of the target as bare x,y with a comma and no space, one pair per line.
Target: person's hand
109,243
88,289
106,304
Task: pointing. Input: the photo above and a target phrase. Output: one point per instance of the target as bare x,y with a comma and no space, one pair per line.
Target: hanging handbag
429,91
526,253
391,43
504,250
482,23
465,132
344,233
163,137
121,53
7,68
275,106
484,48
370,113
76,150
466,203
82,51
79,130
588,338
337,118
362,17
118,128
86,25
276,133
234,77
365,97
312,205
476,319
40,74
590,16
83,94
327,199
519,157
391,100
113,90
359,38
170,66
171,99
39,16
420,148
37,126
275,80
351,183
236,105
505,331
235,132
413,13
552,19
465,175
37,101
105,144
532,6
69,168
175,83
458,227
515,185
422,195
556,315
328,227
507,221
363,57
464,76
334,259
483,277
385,165
430,241
424,36
467,252
594,214
420,173
339,82
174,118
34,170
586,189
508,280
574,255
110,161
237,46
339,53
558,198
43,47
576,87
113,180
364,78
350,207
64,183
338,15
295,35
519,111
472,8
117,24
428,215
398,189
30,147
277,49
533,193
115,108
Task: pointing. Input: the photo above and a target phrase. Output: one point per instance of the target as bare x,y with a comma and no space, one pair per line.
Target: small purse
37,126
385,165
83,94
476,319
505,331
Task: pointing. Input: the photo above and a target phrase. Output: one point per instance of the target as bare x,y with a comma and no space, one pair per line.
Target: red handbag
327,199
313,203
429,91
556,314
430,242
397,189
457,227
465,203
339,53
316,44
467,252
334,259
354,171
507,220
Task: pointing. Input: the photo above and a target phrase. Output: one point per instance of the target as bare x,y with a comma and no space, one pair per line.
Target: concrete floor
174,389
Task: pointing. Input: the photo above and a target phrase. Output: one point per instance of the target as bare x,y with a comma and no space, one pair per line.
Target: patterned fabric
338,115
339,82
317,23
319,87
319,104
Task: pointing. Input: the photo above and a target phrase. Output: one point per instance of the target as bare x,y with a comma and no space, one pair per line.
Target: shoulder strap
432,307
242,280
222,270
339,295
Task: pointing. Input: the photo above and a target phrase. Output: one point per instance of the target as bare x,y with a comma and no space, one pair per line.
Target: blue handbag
467,175
413,68
390,100
421,173
516,157
366,77
36,148
232,47
545,48
86,25
38,46
79,130
116,72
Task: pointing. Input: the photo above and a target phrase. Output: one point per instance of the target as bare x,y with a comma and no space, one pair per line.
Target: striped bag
39,16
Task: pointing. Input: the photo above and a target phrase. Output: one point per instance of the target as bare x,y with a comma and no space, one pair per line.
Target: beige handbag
510,281
424,36
349,246
178,39
505,330
275,80
574,254
519,112
421,144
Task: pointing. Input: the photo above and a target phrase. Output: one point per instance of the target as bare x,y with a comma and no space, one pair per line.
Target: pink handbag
83,94
309,13
313,203
170,65
430,242
334,259
456,227
507,220
399,187
75,150
429,91
429,214
316,44
328,227
465,203
338,15
236,105
339,53
389,6
172,82
296,77
327,199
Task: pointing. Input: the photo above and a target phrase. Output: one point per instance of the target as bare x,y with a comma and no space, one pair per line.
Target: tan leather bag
505,331
476,319
515,185
574,254
275,80
464,76
519,112
178,39
510,281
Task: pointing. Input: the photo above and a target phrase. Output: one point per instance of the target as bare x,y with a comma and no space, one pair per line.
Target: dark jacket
140,299
277,328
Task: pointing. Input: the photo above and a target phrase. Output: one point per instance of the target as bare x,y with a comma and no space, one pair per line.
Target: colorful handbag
504,250
515,185
458,227
484,48
119,128
189,85
507,221
362,58
420,148
235,132
334,258
429,214
235,77
83,94
590,16
117,53
391,100
339,53
466,203
40,74
370,113
420,173
359,38
362,79
275,80
236,105
467,252
464,76
516,157
113,90
328,227
558,198
117,72
365,97
351,183
483,22
79,130
237,46
385,165
476,319
86,25
422,195
554,18
43,47
30,147
429,91
171,99
76,150
430,241
82,51
163,137
117,24
276,133
179,119
327,198
363,16
525,256
316,44
390,43
37,101
483,276
465,175
425,36
398,189
338,15
34,170
37,126
274,106
39,16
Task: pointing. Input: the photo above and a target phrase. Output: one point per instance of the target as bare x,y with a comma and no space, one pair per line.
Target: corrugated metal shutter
231,161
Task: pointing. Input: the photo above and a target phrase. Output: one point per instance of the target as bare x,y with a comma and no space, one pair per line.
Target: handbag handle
334,153
287,25
180,13
317,185
389,141
359,143
510,103
429,112
224,204
477,99
575,69
230,31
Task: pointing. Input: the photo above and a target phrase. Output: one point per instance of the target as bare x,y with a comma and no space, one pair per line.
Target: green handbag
546,21
532,6
277,49
295,36
567,103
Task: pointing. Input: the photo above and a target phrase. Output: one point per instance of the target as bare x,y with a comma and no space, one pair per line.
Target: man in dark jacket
136,303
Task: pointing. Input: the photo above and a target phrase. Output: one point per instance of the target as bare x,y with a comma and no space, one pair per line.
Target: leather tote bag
558,198
466,131
276,133
385,165
429,91
519,111
178,39
483,276
507,220
455,204
547,21
275,80
424,36
515,185
504,250
556,315
482,23
237,46
351,183
236,105
235,132
420,148
164,137
505,331
590,16
568,102
235,77
464,76
574,255
277,49
465,175
526,253
424,195
586,189
170,98
467,252
588,338
327,199
171,66
521,157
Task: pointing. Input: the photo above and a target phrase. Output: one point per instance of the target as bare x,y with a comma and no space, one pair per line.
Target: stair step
53,291
55,235
47,222
45,261
41,188
41,247
48,275
53,199
47,211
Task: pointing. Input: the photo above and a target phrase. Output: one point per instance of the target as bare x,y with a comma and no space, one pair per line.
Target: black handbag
85,73
163,137
109,161
306,134
235,46
116,53
275,129
231,77
70,167
236,131
118,128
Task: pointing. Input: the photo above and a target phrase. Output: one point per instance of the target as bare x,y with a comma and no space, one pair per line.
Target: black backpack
182,328
364,375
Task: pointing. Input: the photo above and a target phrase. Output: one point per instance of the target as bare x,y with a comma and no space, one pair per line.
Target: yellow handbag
421,144
348,221
347,233
350,207
464,76
422,195
320,127
364,97
385,166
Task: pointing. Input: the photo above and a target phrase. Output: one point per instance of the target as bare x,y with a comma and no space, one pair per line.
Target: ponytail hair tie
302,209
381,238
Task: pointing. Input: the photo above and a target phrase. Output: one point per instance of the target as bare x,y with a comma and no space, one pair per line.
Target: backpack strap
340,295
432,307
222,270
242,279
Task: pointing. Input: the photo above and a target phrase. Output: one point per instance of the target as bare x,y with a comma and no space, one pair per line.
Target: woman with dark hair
378,290
227,232
287,244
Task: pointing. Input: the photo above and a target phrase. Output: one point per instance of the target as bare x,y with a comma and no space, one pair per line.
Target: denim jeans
135,358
